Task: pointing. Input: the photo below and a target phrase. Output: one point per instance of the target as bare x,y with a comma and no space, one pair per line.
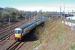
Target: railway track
7,34
6,29
1,29
10,27
14,46
51,27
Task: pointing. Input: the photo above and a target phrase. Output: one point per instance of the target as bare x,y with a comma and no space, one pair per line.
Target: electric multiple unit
26,28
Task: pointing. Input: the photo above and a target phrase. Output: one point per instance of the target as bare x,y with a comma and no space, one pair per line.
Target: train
26,28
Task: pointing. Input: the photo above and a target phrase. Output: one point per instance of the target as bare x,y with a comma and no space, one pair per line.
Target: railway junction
53,35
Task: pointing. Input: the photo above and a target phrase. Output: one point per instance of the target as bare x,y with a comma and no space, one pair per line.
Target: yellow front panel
18,35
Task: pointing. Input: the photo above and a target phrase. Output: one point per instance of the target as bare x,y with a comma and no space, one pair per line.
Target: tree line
14,15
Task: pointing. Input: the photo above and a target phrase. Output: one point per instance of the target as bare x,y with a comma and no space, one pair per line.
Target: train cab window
18,31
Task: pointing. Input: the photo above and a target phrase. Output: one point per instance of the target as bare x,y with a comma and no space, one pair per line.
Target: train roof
25,25
28,24
18,29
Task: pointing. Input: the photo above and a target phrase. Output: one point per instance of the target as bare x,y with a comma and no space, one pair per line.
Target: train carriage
26,28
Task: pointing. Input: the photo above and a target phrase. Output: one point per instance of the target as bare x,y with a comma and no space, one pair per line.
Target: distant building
70,18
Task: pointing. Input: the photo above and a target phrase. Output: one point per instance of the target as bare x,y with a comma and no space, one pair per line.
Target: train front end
18,33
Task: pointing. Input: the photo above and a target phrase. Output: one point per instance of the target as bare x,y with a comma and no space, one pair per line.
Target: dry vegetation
55,36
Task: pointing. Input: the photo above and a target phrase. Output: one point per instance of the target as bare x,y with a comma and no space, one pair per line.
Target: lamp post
9,22
9,26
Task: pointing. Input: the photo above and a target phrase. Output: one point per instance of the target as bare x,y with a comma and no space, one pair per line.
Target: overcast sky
45,5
